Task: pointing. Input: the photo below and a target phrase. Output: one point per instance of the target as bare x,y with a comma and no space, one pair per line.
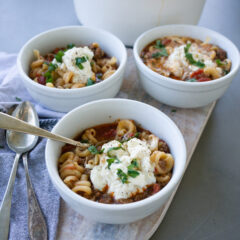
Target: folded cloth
11,91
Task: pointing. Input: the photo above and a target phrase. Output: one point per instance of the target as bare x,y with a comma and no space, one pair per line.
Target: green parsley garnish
123,176
225,71
191,80
59,56
132,169
133,165
159,44
110,161
90,82
18,99
71,45
190,58
186,49
48,76
92,149
111,149
84,141
99,75
162,52
219,62
137,134
133,173
52,67
79,61
173,110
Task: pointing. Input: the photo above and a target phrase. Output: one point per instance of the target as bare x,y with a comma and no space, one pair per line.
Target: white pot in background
129,18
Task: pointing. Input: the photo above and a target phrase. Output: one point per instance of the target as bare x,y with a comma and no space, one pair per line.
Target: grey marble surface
206,206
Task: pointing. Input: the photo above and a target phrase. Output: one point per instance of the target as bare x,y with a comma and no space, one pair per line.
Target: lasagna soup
72,66
186,59
122,163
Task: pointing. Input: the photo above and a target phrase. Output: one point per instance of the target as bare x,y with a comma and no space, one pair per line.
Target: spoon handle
37,227
12,123
5,208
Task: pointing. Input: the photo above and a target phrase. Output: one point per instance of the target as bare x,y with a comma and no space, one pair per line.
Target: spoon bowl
20,142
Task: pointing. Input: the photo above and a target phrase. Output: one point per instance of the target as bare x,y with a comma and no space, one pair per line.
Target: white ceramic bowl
63,100
104,111
129,18
180,93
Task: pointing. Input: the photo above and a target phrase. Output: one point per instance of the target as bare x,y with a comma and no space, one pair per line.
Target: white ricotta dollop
178,64
101,175
69,63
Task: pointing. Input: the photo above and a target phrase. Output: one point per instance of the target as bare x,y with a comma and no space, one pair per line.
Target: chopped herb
190,58
111,149
59,56
123,176
84,141
48,76
49,80
90,82
52,67
71,45
186,49
110,161
47,63
173,110
92,149
191,80
133,173
133,165
18,99
79,61
159,44
225,72
137,134
99,75
162,53
219,62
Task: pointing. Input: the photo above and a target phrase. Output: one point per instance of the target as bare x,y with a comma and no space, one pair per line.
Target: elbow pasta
45,71
197,62
75,164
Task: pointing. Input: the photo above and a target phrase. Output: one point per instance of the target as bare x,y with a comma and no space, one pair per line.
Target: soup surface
72,67
186,59
122,163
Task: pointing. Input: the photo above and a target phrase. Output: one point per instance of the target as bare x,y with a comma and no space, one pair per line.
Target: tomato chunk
196,73
204,79
41,79
156,188
166,41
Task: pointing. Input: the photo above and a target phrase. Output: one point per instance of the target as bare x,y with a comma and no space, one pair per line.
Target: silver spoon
21,143
12,123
